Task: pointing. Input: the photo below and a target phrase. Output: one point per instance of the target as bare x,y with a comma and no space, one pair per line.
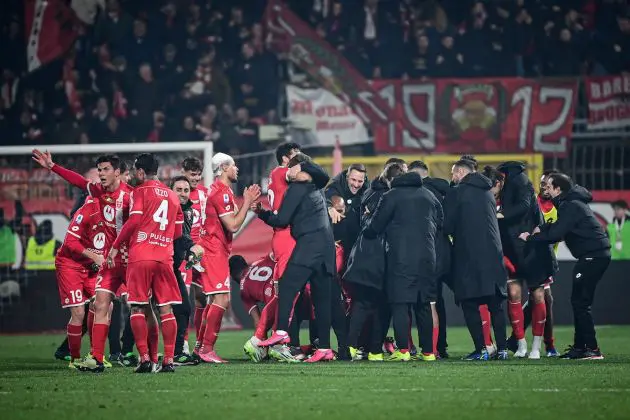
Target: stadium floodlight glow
123,148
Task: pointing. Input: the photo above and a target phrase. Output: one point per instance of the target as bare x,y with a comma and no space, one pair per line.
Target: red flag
50,31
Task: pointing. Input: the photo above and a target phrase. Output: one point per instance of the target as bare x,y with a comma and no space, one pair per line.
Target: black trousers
587,273
293,280
368,306
424,322
473,320
442,345
181,312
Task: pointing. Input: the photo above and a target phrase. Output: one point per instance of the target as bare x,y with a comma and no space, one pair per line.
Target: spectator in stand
449,61
248,132
188,131
113,27
336,25
145,100
140,48
422,60
249,80
99,121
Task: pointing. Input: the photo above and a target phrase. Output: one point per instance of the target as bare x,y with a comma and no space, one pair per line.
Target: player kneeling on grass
155,220
257,287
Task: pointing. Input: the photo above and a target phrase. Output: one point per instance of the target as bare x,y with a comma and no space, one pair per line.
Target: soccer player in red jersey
193,169
155,220
113,195
221,218
282,243
76,264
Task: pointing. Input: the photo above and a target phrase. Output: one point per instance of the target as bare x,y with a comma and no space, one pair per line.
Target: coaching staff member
183,249
410,217
587,240
304,209
479,278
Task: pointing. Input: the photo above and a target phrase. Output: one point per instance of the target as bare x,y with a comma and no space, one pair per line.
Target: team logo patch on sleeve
79,219
226,198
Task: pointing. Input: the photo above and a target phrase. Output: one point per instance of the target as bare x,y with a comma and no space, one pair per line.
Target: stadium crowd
203,71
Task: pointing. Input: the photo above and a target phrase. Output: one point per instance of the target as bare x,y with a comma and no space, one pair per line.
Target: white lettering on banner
332,117
608,105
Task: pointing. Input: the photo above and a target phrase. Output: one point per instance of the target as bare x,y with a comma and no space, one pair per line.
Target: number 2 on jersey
160,215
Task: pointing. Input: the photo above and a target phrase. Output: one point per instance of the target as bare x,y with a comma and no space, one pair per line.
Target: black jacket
182,245
366,260
304,209
440,187
576,225
410,217
349,231
470,217
519,207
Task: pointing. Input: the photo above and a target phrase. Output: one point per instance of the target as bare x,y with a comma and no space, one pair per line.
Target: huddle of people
487,235
346,253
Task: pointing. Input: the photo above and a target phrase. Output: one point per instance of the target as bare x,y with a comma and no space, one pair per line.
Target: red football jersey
277,187
199,198
257,283
87,230
159,210
220,203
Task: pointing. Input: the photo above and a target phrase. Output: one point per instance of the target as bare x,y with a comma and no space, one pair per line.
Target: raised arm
292,199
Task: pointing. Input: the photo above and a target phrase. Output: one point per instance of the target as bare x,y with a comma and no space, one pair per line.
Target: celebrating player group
151,245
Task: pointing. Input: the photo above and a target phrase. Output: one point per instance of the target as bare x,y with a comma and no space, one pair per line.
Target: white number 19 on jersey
160,215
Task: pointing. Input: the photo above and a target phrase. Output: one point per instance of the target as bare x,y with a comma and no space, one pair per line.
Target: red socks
74,333
203,326
213,326
99,336
515,313
199,315
539,317
153,340
140,334
169,332
436,333
485,324
90,323
267,319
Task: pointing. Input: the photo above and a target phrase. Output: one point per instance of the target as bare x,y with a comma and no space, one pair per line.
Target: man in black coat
183,249
304,209
519,212
349,185
479,277
588,242
439,187
409,216
365,274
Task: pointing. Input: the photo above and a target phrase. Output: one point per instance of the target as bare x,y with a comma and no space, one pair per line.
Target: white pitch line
335,390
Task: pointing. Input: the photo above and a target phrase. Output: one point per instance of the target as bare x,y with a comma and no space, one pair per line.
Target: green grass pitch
35,386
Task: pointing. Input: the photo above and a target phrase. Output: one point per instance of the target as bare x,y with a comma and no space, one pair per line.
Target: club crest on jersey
108,213
226,198
99,241
195,216
142,236
79,219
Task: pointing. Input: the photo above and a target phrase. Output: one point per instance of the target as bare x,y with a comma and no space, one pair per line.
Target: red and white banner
608,101
509,115
328,117
50,31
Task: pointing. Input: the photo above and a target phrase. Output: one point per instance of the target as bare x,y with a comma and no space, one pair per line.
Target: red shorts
111,280
195,278
146,279
122,291
187,275
76,285
216,277
282,245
